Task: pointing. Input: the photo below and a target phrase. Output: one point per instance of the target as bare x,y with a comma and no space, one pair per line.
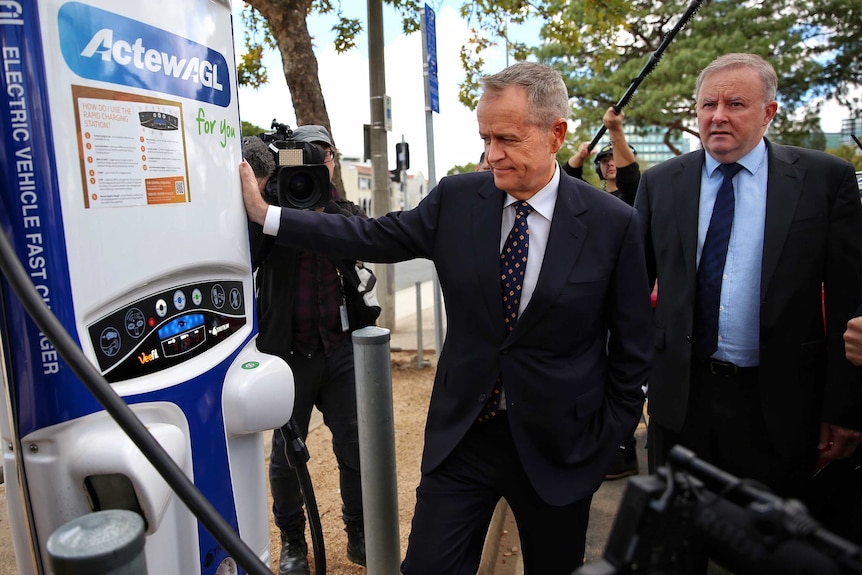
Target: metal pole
403,177
420,361
377,449
432,181
380,193
109,542
438,316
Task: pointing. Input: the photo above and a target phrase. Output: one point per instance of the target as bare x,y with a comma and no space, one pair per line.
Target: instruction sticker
132,149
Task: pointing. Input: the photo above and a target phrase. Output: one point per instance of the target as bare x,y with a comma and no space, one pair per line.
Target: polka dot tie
513,264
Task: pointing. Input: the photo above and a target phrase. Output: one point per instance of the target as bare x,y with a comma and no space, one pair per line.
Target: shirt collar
752,161
545,199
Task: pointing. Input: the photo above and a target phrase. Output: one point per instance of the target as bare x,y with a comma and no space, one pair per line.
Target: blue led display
181,324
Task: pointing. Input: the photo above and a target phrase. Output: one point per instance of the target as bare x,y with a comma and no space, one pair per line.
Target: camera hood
302,187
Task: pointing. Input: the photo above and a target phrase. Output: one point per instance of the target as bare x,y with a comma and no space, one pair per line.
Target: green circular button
250,365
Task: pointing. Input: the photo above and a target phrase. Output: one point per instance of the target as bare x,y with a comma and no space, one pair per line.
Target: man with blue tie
548,343
744,236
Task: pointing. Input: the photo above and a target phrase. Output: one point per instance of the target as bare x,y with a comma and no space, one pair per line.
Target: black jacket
275,281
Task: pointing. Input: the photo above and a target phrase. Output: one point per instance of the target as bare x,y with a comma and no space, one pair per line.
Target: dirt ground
411,390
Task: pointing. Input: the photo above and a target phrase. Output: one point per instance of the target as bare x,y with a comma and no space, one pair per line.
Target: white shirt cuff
272,221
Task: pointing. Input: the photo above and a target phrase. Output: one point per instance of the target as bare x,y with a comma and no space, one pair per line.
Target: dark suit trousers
725,426
455,503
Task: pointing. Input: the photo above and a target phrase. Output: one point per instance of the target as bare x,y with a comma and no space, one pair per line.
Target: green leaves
614,40
601,45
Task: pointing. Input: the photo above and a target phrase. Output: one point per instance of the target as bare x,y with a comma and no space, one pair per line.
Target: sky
344,79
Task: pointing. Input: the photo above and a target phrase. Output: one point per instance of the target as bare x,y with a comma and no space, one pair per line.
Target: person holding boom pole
615,163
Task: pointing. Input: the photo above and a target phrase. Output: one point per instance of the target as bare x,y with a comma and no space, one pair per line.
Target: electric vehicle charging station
120,149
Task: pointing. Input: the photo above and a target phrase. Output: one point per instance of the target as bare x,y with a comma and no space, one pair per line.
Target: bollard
377,449
109,542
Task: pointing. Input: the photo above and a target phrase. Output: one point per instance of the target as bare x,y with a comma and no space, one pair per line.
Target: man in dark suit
555,397
620,173
752,383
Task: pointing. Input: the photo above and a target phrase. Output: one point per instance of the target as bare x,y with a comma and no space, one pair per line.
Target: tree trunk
287,20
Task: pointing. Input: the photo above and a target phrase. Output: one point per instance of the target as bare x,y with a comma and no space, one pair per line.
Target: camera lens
303,187
300,187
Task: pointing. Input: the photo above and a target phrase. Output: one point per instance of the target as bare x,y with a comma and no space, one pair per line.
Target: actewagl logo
101,45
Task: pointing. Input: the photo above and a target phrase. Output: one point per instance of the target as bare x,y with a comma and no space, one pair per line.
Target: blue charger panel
167,328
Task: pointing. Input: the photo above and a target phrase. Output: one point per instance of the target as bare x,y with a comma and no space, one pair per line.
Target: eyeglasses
329,155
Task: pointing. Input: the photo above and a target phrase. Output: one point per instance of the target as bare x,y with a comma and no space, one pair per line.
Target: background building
851,127
358,184
650,145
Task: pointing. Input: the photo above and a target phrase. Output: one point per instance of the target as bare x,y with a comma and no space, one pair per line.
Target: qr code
180,188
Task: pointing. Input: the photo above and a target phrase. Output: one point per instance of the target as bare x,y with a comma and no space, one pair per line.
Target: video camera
667,523
300,179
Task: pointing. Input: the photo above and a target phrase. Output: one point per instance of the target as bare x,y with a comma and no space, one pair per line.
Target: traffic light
395,175
366,142
402,153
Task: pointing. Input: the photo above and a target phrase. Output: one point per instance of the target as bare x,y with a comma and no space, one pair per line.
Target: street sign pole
432,97
380,202
432,104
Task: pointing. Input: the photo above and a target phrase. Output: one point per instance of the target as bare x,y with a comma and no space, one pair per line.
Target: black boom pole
650,65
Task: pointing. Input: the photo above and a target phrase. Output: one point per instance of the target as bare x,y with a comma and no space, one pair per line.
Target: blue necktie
711,268
513,264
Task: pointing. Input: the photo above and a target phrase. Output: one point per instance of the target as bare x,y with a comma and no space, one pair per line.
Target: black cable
122,414
297,456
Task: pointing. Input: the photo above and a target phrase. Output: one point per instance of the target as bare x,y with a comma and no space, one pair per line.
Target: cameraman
300,298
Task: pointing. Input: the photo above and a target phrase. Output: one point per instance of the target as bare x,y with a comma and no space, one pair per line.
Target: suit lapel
686,201
565,241
784,185
486,217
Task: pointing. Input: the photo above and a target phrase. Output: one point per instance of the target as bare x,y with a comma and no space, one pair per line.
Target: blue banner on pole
431,49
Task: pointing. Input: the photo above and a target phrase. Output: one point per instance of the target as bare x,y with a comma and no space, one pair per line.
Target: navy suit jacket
574,365
812,245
